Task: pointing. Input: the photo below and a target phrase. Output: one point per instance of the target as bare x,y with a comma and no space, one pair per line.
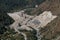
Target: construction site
40,22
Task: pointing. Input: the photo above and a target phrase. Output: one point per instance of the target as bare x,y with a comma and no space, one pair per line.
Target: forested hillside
8,6
50,32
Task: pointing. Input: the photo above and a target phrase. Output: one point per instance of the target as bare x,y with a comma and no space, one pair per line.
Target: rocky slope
52,30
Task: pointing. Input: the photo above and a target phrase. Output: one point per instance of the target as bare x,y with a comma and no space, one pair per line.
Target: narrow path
38,35
25,37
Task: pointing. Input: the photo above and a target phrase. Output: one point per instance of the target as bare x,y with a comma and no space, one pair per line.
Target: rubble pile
28,22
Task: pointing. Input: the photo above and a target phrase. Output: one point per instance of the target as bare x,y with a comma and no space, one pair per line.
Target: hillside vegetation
50,32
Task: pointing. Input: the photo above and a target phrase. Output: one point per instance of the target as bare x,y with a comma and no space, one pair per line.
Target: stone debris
24,27
41,20
28,22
